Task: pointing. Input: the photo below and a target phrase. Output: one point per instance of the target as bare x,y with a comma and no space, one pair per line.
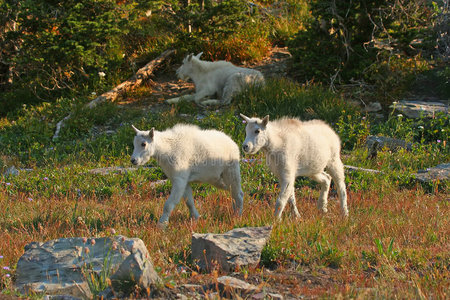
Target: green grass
393,243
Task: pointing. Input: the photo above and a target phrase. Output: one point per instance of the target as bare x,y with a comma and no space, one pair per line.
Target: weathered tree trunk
136,80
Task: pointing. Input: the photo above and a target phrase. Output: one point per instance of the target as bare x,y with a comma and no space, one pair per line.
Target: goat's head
184,72
144,146
256,134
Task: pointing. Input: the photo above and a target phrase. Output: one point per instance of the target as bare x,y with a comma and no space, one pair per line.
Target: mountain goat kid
295,148
220,78
188,154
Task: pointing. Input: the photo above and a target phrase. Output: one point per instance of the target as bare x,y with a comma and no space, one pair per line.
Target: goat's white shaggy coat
219,78
295,148
188,154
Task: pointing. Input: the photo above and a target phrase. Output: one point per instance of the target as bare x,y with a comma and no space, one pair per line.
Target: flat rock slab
230,286
115,170
417,108
59,267
233,249
440,172
353,168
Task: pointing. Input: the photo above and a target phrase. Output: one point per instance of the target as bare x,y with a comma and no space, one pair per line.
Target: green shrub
280,97
64,45
369,40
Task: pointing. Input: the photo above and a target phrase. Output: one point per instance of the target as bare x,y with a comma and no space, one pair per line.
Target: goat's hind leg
324,180
232,179
337,173
294,205
190,202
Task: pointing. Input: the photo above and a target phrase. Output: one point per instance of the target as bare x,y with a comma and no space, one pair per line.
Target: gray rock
137,269
440,172
61,297
231,250
417,108
57,267
11,171
353,168
373,107
376,143
115,170
266,296
230,286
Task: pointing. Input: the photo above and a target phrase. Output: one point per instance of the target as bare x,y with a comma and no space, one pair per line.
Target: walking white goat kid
295,148
188,154
211,78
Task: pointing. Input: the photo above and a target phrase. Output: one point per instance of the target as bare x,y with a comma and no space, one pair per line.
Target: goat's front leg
287,189
178,189
190,97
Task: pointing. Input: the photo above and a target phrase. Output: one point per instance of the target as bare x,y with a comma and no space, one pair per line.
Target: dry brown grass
320,255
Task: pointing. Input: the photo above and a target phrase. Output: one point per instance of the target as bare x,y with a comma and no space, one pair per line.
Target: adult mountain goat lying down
188,154
295,148
220,78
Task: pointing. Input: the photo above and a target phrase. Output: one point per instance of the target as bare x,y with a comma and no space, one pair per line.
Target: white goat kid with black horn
296,148
215,78
188,154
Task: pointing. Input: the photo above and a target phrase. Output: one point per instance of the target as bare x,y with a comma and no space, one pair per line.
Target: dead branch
136,80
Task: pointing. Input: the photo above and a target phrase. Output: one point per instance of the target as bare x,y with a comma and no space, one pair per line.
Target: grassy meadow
395,243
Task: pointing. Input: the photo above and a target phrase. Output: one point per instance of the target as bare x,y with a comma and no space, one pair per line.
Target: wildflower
93,93
45,178
399,115
6,268
93,242
1,256
101,74
84,240
243,121
420,127
438,141
8,183
86,250
7,275
112,231
30,199
114,246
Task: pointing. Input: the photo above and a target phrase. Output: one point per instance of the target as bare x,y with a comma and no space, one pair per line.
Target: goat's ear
151,133
247,119
190,57
198,55
265,121
135,129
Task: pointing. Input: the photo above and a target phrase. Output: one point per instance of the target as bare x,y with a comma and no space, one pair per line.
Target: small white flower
93,93
399,115
420,127
101,74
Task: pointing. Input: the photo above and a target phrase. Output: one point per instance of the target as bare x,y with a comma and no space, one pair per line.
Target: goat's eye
257,131
143,144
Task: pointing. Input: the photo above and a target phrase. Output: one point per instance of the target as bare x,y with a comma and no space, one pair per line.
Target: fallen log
136,80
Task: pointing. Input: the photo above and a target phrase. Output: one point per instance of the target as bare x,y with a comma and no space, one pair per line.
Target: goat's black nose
133,161
245,147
